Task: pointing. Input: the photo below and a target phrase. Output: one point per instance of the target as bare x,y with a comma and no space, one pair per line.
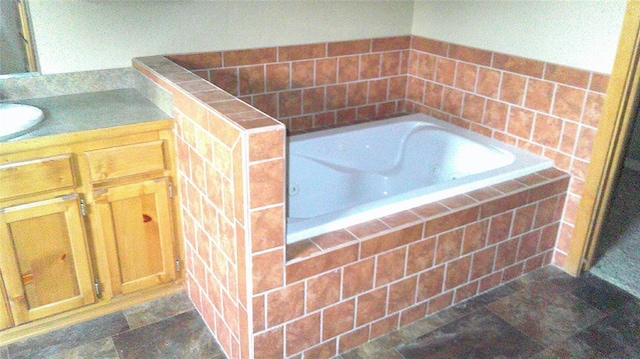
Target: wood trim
618,115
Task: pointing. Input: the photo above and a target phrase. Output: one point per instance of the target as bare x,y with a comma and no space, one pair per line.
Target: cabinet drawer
122,161
36,176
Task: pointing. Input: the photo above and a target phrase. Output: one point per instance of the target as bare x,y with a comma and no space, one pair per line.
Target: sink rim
33,116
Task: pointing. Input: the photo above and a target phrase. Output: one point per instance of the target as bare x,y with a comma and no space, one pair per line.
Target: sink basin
16,119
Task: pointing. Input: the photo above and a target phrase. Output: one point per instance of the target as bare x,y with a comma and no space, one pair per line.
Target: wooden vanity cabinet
85,220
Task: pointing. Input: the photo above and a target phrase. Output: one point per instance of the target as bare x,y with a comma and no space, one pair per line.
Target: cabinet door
135,221
44,258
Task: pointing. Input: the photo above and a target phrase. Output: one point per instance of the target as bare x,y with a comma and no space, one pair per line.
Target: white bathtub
344,176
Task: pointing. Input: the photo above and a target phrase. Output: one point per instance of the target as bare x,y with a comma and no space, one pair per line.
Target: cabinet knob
146,218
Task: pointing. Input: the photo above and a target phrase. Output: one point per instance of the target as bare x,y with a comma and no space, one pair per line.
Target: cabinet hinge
96,287
178,265
170,189
83,208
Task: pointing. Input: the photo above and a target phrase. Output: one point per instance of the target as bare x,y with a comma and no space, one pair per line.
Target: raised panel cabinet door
135,221
44,258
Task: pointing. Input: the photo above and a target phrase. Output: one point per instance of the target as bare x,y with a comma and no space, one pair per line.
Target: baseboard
632,164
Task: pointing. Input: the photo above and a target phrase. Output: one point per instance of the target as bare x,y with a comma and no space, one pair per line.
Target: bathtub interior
348,175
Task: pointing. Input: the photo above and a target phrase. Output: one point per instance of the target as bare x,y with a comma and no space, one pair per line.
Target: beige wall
74,35
577,33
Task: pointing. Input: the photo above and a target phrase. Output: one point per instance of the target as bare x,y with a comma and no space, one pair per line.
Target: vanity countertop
91,111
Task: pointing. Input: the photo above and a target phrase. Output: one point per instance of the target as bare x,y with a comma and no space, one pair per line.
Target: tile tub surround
231,174
545,108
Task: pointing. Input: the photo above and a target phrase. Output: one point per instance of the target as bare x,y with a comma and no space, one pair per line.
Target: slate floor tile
545,312
182,336
158,309
481,334
67,338
99,349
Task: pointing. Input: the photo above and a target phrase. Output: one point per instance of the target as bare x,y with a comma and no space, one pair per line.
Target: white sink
16,120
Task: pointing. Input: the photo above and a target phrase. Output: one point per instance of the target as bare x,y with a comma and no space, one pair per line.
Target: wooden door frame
618,115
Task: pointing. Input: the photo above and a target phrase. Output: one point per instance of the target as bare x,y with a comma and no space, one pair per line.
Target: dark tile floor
546,314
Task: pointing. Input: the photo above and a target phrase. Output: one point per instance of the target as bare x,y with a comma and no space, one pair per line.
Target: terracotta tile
520,65
585,143
495,115
251,80
489,282
336,97
413,314
528,245
269,344
301,249
399,219
313,100
302,73
547,130
338,319
402,294
258,314
384,326
539,95
421,255
593,109
303,333
488,82
512,88
266,145
506,254
324,119
366,113
440,302
369,66
346,116
193,109
599,83
204,60
348,68
358,278
321,263
445,71
512,272
549,237
426,66
357,93
323,291
466,291
352,47
499,228
569,137
390,43
450,221
278,76
433,95
266,183
475,236
333,239
390,266
226,79
290,103
520,122
484,194
431,46
390,240
448,246
371,306
482,262
416,90
457,272
301,52
567,75
430,210
503,204
390,63
353,339
568,102
326,71
466,75
229,107
325,350
452,101
212,96
523,220
546,213
267,271
267,228
430,283
285,304
469,54
249,57
377,91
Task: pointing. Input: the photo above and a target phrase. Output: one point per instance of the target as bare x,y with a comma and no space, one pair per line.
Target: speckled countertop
91,111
